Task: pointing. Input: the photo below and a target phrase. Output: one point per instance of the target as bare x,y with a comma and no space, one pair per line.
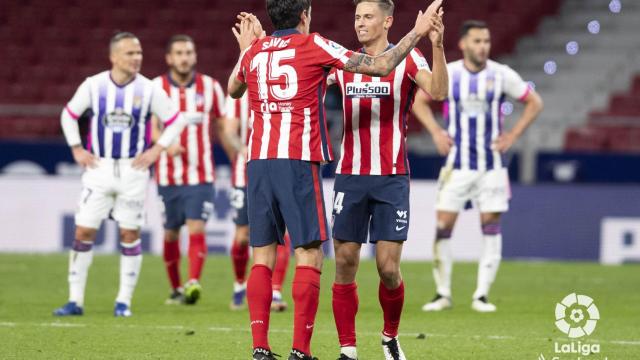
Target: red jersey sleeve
416,62
329,53
245,59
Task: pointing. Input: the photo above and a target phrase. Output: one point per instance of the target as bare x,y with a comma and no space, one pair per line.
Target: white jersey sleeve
80,102
514,86
164,109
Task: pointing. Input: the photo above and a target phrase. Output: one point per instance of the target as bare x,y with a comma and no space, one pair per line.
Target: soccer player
185,172
116,162
371,190
475,168
286,77
236,130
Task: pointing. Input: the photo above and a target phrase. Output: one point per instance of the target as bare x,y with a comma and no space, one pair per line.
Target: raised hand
244,32
424,21
436,35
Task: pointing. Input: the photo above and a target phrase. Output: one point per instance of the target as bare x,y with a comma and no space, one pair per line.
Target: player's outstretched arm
435,83
383,64
245,33
425,116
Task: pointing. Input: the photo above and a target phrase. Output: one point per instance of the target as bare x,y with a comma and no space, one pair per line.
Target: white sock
79,263
350,351
130,265
442,266
488,264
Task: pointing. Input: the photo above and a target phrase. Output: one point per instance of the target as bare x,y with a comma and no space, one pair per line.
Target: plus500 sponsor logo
368,90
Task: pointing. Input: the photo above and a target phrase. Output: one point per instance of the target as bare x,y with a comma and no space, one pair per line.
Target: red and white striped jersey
286,76
238,110
375,118
200,102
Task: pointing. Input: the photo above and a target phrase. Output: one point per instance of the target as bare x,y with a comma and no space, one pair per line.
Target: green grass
31,286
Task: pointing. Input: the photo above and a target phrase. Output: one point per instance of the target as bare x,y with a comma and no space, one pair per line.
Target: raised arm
246,32
383,64
435,82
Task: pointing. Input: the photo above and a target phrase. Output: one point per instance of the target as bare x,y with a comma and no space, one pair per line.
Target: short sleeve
80,101
329,53
241,75
416,62
230,107
218,109
514,86
162,106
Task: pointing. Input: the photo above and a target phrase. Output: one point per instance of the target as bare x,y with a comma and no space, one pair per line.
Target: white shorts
115,188
488,190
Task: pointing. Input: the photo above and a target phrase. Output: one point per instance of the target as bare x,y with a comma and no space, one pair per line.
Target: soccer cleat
176,297
263,354
299,355
69,309
345,357
122,310
192,292
483,305
239,293
438,303
277,304
392,350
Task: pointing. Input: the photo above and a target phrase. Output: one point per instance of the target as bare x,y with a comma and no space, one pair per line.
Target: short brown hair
472,24
118,36
386,5
178,38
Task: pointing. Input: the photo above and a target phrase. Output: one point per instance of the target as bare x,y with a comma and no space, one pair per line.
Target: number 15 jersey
286,77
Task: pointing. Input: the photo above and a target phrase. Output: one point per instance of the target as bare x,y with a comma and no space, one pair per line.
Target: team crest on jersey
117,120
368,90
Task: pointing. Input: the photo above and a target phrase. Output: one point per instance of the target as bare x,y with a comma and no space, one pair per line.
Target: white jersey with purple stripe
120,125
473,113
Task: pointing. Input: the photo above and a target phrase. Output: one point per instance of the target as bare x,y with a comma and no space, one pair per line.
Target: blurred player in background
371,190
118,155
185,172
475,167
286,77
237,130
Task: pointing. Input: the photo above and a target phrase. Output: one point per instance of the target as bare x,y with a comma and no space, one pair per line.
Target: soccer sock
345,308
80,258
306,295
259,300
172,262
197,255
442,262
391,302
130,264
282,263
490,260
240,257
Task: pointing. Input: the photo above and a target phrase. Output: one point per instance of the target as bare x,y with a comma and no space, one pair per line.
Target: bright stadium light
506,108
594,27
615,6
550,67
572,47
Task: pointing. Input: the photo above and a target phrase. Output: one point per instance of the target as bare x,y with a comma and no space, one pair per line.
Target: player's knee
196,226
390,276
346,263
85,234
129,236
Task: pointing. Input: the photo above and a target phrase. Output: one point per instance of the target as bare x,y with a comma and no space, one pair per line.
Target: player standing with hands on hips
116,161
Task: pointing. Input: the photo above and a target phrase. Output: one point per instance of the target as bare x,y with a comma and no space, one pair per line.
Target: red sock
345,308
259,300
391,302
197,255
306,295
282,263
171,256
240,258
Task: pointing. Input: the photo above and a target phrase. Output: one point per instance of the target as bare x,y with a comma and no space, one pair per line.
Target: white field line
288,331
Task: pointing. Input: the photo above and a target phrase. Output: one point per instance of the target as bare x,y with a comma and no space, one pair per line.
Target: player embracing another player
285,74
371,190
475,169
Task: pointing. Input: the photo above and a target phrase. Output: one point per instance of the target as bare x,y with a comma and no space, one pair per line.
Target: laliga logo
577,315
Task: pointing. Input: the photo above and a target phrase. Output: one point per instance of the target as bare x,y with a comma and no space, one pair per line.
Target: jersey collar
285,32
172,82
387,49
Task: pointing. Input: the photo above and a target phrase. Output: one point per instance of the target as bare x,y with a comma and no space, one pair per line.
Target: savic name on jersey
368,90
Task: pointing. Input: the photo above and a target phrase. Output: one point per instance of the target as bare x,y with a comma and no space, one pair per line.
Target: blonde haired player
474,144
118,155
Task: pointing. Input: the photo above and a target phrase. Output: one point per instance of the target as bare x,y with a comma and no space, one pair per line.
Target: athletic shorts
239,203
114,188
285,194
186,202
488,190
377,206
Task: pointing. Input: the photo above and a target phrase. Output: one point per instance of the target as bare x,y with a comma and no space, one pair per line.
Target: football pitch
526,293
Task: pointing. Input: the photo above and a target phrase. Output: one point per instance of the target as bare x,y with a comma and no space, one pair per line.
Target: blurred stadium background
575,173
